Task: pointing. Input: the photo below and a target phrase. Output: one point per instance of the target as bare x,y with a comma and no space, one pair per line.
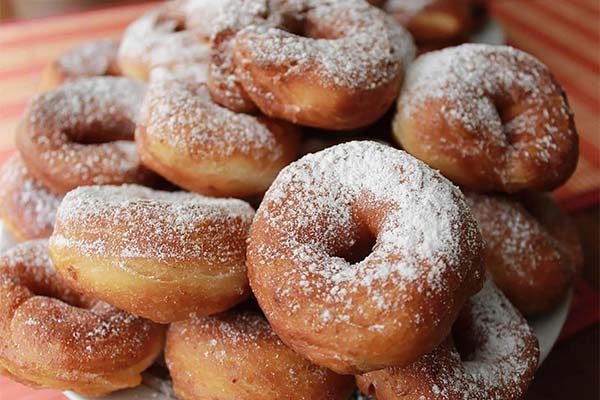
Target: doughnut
200,146
27,207
165,256
236,355
490,118
52,337
82,134
174,36
532,248
432,20
361,257
492,354
331,64
89,59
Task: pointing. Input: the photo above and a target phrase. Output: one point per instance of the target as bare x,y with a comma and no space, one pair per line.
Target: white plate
7,240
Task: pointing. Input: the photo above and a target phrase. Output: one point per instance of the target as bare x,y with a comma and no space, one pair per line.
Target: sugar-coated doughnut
432,20
307,268
532,248
331,64
238,356
82,134
203,147
164,256
52,337
491,118
89,59
492,354
27,207
174,36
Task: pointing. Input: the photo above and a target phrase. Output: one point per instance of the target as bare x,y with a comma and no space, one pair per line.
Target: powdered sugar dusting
507,107
183,115
94,58
176,33
424,232
168,226
25,201
350,44
83,131
498,358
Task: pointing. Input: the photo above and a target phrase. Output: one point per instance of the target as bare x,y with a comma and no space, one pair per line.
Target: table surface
562,33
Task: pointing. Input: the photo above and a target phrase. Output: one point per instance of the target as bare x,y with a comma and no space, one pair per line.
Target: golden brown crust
490,118
53,337
237,356
82,134
344,312
27,207
532,248
165,256
492,354
95,58
332,65
195,143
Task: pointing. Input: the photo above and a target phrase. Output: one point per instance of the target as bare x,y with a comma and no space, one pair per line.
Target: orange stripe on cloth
565,19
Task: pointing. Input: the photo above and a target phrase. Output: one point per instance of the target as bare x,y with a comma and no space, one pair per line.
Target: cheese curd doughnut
492,354
362,256
52,337
94,58
82,134
174,36
27,207
532,248
490,118
432,20
238,356
329,64
165,256
193,142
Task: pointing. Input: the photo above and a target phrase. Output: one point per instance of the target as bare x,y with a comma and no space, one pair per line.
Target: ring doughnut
237,356
432,20
174,36
307,268
95,58
492,354
53,337
329,64
27,207
82,134
532,248
490,118
164,256
193,142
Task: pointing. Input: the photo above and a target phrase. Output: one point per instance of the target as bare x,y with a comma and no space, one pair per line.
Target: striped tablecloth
562,33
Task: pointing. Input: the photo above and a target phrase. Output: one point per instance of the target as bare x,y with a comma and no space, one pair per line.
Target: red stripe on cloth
12,110
43,38
5,155
549,41
544,7
585,310
585,6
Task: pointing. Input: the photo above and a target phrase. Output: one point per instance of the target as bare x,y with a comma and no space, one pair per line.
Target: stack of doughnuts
166,196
